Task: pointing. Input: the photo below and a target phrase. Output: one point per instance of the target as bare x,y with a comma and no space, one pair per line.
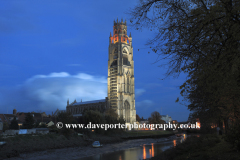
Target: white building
166,118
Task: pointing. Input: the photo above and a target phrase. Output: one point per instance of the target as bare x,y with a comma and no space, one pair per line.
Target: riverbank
76,153
207,147
28,145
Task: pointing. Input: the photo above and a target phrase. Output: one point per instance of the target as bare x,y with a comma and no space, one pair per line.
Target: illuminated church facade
121,91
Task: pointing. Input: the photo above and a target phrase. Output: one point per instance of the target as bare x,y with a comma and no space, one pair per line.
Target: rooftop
88,102
165,115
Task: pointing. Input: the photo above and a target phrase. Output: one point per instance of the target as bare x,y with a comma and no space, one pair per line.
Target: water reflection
142,152
174,143
152,149
184,136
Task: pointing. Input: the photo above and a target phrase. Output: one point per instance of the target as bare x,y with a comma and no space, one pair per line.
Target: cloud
51,75
139,92
49,92
91,78
144,104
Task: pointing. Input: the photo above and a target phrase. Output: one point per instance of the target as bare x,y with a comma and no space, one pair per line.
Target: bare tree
155,118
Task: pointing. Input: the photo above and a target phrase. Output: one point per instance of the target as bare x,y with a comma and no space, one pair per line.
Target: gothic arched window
126,105
127,111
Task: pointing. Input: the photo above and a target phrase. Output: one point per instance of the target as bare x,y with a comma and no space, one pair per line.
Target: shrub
14,124
42,126
28,122
233,137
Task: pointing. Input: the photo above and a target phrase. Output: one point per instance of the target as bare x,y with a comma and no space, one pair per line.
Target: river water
144,149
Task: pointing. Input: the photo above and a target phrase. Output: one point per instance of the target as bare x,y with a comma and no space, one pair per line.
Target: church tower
121,92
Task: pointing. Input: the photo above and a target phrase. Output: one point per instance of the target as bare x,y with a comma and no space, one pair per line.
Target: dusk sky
52,51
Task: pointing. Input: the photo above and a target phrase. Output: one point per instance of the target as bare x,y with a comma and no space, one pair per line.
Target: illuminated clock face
125,51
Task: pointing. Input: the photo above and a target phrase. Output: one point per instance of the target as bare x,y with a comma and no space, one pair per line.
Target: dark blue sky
54,50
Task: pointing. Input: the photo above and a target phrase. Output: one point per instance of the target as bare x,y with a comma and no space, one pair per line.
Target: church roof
88,102
58,111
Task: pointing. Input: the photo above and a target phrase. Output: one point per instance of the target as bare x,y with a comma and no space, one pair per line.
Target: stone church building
121,92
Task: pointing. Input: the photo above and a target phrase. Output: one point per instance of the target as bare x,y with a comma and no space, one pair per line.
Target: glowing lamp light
198,125
184,136
174,143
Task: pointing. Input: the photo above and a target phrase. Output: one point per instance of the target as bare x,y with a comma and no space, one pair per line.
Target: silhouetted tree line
202,39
